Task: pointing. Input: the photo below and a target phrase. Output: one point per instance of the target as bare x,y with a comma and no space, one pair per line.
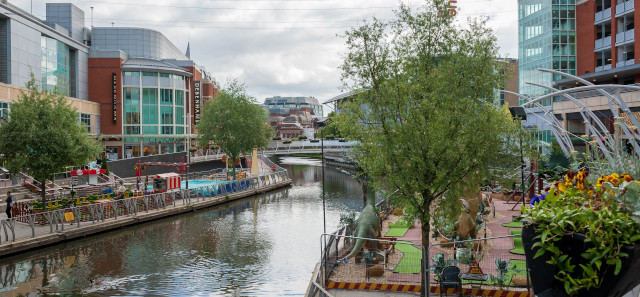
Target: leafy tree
43,135
234,122
422,111
332,129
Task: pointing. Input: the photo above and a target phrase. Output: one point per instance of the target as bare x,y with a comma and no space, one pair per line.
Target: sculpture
367,226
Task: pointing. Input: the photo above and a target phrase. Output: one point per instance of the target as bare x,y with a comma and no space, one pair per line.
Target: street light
518,113
321,124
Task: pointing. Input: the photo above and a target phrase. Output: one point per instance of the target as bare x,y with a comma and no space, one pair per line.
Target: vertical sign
114,96
196,102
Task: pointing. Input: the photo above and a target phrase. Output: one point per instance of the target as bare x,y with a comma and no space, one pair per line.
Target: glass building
547,38
55,65
154,105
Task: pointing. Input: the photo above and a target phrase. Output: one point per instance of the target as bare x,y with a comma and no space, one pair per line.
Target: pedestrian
120,191
9,201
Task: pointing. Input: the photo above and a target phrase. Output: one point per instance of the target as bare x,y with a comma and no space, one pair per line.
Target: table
476,278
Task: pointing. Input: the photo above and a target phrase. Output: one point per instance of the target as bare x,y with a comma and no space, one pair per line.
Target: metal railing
100,212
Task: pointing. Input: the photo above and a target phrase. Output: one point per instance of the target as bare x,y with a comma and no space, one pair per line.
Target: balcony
625,7
625,63
603,68
602,44
602,16
625,37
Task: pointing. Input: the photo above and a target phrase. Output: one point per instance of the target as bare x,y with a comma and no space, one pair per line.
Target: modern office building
606,46
547,36
132,86
283,105
55,50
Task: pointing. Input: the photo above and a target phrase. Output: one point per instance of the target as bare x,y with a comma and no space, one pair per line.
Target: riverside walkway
45,228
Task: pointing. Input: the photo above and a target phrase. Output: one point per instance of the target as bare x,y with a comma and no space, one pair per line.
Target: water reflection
262,246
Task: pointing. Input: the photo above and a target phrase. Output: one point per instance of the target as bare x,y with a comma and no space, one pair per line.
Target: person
121,190
9,201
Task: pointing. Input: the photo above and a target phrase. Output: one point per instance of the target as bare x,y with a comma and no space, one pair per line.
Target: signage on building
114,96
196,102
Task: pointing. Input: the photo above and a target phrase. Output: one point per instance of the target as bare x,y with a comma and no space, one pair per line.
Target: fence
111,210
481,267
482,264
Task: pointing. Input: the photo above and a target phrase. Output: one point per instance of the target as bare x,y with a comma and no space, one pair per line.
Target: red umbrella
182,168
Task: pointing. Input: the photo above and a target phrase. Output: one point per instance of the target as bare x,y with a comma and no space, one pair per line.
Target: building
547,39
510,84
132,86
55,50
283,105
606,46
150,90
292,117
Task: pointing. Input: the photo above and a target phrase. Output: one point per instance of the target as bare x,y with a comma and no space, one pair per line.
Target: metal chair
450,278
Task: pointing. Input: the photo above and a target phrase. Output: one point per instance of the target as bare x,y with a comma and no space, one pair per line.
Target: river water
260,246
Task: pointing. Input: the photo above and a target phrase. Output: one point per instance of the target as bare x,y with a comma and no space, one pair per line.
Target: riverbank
44,234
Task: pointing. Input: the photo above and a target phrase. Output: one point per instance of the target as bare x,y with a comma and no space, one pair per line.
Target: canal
260,246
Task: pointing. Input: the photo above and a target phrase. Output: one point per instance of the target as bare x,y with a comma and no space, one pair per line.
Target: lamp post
321,124
518,113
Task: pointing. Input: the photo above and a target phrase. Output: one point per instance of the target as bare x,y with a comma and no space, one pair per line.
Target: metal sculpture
603,138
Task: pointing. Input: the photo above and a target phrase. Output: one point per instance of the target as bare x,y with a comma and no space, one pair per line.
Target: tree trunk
234,169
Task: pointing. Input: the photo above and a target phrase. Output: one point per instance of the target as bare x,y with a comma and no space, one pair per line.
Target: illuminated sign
196,102
114,96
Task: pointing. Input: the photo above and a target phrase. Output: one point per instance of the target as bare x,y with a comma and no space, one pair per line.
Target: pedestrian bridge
295,147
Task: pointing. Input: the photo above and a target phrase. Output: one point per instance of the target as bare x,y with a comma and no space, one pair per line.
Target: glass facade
55,65
4,110
547,35
154,104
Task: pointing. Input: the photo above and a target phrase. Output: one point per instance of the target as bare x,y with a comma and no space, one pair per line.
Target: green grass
410,262
518,248
515,231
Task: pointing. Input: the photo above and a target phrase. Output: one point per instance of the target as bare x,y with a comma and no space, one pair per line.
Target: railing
625,37
588,94
624,7
602,16
90,214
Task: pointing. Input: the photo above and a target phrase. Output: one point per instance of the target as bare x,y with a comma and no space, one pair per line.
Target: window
132,114
167,115
166,96
167,129
132,130
179,98
131,96
131,78
85,119
149,96
4,110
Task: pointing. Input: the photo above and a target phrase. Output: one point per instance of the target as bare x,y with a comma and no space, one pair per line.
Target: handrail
533,183
519,187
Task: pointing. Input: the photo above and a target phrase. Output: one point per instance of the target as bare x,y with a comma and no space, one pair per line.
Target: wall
124,168
585,37
136,42
100,70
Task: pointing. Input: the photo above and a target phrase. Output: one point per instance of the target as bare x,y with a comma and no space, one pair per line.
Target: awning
88,172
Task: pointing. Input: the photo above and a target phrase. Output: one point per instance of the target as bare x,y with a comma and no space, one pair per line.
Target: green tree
43,135
422,111
234,122
332,129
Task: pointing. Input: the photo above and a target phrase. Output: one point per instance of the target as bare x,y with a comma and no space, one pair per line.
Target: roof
340,97
155,65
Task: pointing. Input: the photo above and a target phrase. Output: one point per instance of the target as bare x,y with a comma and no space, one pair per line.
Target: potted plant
192,149
582,238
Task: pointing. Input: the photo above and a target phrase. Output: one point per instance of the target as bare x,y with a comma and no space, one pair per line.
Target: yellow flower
562,187
615,175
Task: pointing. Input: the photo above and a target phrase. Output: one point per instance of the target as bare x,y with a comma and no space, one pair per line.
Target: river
260,246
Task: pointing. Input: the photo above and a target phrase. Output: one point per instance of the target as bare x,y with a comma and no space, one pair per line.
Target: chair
450,278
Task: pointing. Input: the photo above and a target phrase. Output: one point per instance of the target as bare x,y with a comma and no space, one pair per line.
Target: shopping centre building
131,86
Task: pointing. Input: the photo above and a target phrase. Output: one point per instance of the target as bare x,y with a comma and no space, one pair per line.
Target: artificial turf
518,248
514,224
410,262
396,231
515,231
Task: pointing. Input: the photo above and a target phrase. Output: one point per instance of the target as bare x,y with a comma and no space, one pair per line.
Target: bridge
295,147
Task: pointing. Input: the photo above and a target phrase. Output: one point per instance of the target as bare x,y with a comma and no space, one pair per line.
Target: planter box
542,274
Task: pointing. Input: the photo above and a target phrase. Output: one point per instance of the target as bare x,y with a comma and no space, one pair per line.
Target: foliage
234,122
503,278
439,263
192,149
420,111
276,138
43,135
348,220
332,129
104,165
575,206
301,137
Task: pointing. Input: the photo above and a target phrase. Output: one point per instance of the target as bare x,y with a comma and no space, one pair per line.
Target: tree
234,122
331,129
422,111
43,135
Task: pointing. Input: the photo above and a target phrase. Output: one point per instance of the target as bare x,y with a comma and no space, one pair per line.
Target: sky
276,47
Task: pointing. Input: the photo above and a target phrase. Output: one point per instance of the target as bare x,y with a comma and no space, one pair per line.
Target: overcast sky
277,47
